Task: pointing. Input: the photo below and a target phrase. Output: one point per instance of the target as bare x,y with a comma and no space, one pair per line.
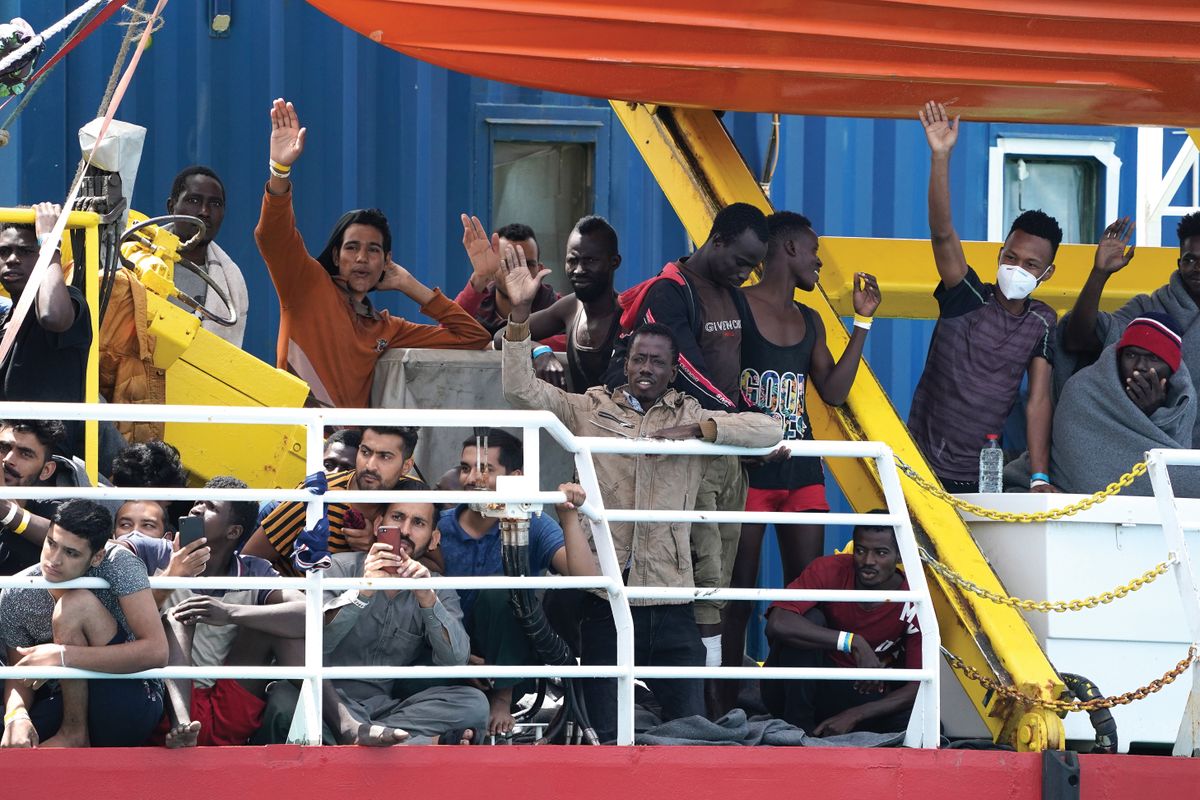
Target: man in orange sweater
330,335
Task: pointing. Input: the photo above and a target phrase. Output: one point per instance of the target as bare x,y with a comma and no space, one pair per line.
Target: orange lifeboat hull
1050,61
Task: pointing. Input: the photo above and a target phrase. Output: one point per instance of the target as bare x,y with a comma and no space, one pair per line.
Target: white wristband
712,650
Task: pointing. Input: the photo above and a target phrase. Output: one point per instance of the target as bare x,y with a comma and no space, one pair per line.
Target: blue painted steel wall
384,130
392,132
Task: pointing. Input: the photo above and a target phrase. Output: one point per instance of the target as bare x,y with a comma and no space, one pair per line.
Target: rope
131,34
22,305
1146,578
39,77
55,29
1141,693
1136,471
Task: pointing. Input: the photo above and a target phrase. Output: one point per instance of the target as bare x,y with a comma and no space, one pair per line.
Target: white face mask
1015,283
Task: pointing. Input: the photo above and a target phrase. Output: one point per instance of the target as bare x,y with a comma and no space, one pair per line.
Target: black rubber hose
1101,718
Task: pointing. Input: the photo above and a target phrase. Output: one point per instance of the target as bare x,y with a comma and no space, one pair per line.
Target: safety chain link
1044,606
1073,705
1136,471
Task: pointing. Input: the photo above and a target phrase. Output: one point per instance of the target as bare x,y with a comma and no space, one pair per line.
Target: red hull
579,773
1063,61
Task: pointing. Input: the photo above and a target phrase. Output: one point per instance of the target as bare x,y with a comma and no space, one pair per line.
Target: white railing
923,727
1157,461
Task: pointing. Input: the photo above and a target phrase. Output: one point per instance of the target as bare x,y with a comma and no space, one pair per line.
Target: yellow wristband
23,524
862,322
16,713
277,167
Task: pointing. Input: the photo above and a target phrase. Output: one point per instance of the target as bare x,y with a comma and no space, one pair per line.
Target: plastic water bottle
991,465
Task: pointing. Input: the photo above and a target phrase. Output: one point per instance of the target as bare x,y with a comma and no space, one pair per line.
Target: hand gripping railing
1187,743
923,727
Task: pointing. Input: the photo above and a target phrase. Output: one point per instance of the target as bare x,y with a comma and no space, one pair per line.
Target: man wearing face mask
988,336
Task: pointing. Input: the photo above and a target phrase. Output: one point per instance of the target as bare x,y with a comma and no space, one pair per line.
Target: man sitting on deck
651,554
221,627
471,545
804,633
114,630
330,335
391,628
384,460
27,449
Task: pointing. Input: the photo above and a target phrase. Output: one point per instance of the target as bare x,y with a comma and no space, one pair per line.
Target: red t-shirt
891,628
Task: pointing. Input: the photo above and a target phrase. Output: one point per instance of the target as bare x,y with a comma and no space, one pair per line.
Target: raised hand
287,137
522,286
940,131
483,251
1113,252
866,294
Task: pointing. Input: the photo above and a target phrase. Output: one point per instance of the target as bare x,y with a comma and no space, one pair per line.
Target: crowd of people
690,354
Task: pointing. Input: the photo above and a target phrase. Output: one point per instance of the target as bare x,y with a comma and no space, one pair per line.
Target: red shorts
228,715
806,498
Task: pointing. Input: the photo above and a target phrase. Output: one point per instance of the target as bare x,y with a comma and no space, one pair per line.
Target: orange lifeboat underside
1053,61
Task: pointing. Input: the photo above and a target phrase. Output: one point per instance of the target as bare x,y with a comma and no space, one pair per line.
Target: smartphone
390,534
190,529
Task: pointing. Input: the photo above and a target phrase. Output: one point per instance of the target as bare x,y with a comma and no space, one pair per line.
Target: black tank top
774,380
586,365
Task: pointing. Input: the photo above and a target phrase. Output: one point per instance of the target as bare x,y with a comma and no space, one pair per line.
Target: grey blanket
1171,298
735,729
1099,433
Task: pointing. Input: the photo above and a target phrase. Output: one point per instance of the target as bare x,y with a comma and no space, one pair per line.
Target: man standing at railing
699,298
650,554
114,630
49,354
330,335
803,633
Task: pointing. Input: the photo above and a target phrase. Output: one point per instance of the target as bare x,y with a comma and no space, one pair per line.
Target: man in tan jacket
650,553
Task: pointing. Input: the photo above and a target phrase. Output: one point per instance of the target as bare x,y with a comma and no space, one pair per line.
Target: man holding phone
384,462
393,628
220,627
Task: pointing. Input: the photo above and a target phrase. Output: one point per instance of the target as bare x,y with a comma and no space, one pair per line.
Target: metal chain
1136,471
1073,705
1146,578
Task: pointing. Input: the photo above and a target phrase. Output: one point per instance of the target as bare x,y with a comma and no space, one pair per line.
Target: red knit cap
1154,336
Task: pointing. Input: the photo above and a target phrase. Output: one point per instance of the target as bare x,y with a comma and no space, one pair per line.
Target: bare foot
68,738
183,735
379,736
465,736
500,718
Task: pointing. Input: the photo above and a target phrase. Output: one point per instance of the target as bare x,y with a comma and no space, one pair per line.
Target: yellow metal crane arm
700,169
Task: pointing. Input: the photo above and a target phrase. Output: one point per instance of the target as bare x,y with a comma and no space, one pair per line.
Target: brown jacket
127,371
654,553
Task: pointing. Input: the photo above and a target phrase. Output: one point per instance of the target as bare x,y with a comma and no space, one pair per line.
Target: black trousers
663,636
808,703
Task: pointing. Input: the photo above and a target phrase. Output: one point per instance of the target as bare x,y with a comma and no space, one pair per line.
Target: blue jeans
663,636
